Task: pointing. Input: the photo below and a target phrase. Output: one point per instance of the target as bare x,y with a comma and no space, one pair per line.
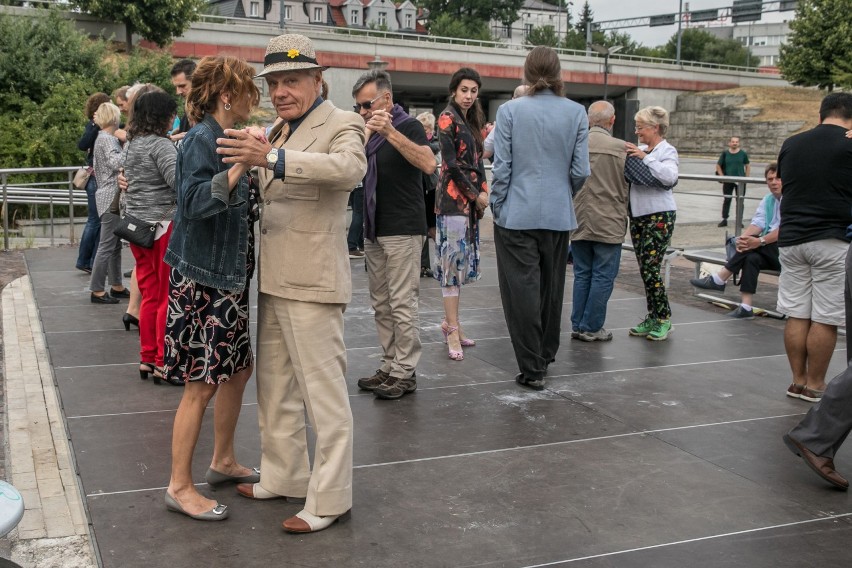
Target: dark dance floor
638,454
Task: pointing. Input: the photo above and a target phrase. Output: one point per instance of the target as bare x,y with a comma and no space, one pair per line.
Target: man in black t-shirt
821,157
816,209
398,154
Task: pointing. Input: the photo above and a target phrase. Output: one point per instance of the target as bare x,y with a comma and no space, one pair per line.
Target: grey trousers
825,427
107,263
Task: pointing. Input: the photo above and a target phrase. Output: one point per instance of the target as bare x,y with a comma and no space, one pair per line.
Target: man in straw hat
313,159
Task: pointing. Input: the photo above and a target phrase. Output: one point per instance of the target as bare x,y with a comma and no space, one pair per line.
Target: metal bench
719,258
671,254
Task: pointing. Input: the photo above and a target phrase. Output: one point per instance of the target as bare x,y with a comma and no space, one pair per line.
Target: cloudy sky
619,9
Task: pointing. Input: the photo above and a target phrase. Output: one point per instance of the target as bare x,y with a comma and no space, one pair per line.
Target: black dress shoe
534,384
125,293
105,299
128,274
723,223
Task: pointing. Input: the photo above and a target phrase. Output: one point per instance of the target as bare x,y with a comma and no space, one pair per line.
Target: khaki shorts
811,281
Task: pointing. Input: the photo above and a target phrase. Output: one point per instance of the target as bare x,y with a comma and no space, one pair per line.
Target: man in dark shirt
732,162
816,209
394,229
182,80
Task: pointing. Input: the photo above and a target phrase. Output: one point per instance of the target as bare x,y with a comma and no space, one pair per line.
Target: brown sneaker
396,388
371,383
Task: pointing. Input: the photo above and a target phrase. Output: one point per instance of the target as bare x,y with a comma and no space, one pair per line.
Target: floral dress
207,330
462,179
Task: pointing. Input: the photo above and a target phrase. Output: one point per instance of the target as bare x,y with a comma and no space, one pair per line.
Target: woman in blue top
211,252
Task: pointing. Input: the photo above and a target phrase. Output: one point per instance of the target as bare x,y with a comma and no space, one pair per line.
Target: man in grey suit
541,157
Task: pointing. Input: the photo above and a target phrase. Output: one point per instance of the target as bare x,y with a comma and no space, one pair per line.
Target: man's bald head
520,91
602,114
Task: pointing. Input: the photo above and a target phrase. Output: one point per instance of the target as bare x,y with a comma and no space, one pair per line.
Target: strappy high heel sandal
455,355
159,378
465,342
146,369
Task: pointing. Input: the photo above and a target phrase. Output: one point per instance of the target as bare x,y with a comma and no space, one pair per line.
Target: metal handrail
30,193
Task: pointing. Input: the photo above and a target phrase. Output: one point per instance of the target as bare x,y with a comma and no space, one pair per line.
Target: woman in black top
92,231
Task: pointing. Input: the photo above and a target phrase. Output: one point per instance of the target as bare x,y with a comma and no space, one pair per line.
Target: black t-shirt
400,209
815,168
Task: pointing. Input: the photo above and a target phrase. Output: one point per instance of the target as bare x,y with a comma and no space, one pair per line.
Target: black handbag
135,231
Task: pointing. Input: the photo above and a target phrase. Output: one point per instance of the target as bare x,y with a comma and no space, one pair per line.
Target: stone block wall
703,123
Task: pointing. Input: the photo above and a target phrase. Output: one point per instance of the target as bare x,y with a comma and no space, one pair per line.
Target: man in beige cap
313,159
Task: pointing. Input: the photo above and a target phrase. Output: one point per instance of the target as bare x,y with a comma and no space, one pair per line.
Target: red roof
337,16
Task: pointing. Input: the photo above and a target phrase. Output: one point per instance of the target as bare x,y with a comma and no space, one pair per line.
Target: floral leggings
651,236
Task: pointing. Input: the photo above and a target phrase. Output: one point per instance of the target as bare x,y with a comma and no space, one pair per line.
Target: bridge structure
421,65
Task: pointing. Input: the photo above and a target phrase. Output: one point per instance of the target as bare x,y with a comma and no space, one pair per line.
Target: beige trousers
301,363
393,271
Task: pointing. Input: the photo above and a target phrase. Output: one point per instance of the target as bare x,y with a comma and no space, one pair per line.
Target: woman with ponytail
460,200
541,158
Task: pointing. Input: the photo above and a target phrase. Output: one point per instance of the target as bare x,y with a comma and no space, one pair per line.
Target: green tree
842,73
464,27
155,20
543,35
587,16
48,51
504,11
699,45
821,34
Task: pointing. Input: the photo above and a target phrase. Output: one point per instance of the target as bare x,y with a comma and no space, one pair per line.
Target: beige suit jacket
303,252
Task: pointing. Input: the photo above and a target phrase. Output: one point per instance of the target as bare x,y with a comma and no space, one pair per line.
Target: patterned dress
462,179
207,329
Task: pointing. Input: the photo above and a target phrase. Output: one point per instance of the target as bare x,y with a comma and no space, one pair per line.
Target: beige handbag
81,177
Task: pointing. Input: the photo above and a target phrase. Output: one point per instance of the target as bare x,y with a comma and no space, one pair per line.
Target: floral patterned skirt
456,250
207,332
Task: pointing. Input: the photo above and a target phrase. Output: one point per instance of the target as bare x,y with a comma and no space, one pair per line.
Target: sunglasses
366,106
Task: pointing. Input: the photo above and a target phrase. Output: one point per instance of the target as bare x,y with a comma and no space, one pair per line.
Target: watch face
272,156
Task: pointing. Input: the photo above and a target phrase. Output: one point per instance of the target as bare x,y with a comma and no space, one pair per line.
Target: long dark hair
152,114
474,118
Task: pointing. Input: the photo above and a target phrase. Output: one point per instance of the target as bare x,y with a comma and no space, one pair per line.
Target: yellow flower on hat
293,53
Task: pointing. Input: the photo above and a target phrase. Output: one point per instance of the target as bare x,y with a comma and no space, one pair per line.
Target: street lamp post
606,52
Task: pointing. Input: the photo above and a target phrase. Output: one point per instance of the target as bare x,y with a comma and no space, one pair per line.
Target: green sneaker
662,330
643,329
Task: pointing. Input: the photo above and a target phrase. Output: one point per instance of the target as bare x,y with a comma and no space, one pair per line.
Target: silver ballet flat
214,477
217,513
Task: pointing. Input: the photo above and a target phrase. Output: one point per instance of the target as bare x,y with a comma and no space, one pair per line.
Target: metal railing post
5,215
71,206
52,242
741,191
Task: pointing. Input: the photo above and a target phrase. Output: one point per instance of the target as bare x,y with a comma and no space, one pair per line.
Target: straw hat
289,52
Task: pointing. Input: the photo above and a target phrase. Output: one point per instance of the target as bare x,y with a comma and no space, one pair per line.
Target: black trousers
728,190
827,424
751,262
531,272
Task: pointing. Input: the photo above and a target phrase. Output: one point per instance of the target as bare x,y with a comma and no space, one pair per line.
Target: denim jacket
209,242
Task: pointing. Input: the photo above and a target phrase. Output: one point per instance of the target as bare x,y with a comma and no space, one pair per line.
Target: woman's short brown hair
93,102
543,71
217,75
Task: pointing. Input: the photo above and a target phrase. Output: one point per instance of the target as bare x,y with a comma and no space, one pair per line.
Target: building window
408,21
507,31
288,15
254,9
383,18
353,17
528,28
317,14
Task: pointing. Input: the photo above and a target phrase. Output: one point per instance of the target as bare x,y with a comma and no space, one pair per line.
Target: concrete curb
55,529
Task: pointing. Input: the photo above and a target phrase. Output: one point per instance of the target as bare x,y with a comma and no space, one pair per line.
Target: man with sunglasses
398,153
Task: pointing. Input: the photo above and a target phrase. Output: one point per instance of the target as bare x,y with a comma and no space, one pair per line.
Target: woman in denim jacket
211,252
